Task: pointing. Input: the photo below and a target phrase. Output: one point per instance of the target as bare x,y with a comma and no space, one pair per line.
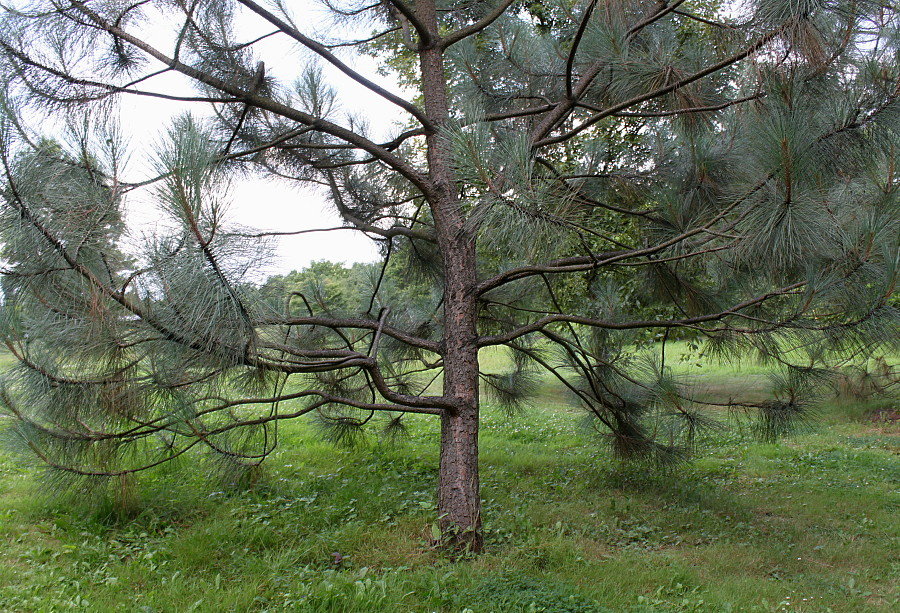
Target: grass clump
520,592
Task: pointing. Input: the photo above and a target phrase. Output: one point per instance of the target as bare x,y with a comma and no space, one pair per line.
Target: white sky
267,205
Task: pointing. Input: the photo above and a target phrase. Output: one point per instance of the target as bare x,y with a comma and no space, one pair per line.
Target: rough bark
459,501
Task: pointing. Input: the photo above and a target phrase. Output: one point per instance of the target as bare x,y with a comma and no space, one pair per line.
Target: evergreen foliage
569,180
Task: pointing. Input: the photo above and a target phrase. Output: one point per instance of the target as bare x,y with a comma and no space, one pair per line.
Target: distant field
808,525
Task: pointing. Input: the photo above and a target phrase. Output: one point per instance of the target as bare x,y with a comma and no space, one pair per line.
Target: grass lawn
807,525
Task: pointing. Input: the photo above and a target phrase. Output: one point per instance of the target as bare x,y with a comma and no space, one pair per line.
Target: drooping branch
364,226
198,434
333,361
106,89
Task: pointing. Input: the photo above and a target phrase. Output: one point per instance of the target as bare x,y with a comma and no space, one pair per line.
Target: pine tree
571,180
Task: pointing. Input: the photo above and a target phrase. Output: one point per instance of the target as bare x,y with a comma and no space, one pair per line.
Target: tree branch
539,138
570,264
481,24
696,109
426,36
570,60
362,225
361,324
323,52
535,326
317,123
659,14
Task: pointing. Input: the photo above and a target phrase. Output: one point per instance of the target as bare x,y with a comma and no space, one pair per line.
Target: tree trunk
459,499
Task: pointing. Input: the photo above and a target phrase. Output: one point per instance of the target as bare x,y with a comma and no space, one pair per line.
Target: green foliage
323,286
580,183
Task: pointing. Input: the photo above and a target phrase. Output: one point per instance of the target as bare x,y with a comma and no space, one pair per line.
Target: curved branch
362,225
108,89
571,264
709,22
570,61
202,435
539,138
535,110
590,262
481,24
325,397
361,41
696,109
426,402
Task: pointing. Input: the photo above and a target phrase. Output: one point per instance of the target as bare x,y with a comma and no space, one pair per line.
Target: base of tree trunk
459,498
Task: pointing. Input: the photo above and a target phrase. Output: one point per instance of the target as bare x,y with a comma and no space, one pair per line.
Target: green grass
808,525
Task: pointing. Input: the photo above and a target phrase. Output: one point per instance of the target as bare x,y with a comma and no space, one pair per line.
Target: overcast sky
265,204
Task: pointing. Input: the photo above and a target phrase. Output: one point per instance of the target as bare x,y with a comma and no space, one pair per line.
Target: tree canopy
565,178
